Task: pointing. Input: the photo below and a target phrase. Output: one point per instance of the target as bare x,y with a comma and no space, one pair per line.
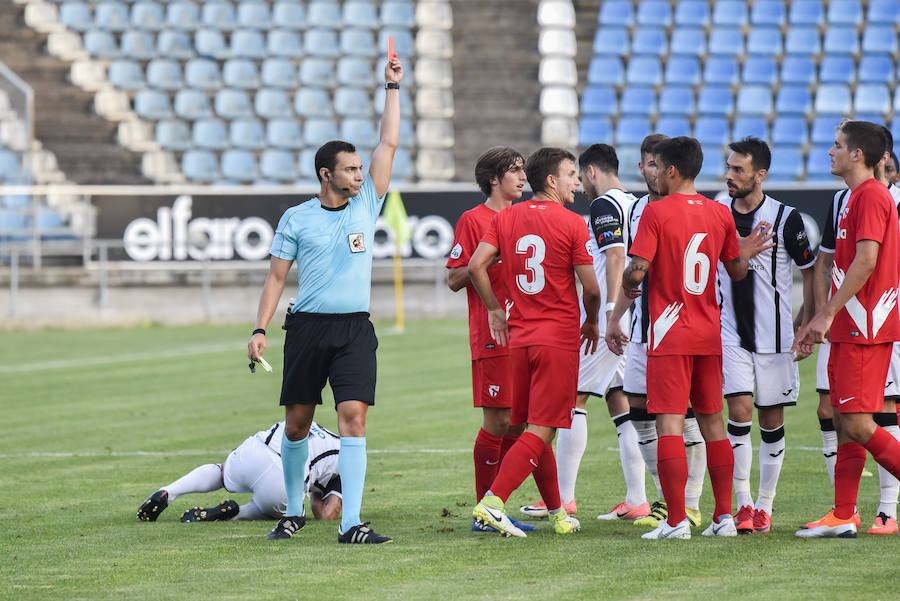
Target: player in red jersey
500,173
860,320
544,246
680,238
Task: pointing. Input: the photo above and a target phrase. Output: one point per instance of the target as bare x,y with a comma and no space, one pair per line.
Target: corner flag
395,217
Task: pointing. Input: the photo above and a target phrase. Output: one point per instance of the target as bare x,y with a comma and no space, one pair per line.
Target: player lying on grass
255,467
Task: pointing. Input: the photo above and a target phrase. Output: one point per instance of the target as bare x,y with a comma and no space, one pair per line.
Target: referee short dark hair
543,162
756,149
867,137
495,162
601,156
326,155
683,153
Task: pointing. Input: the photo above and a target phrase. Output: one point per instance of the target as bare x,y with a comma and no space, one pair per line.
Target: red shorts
675,381
856,375
492,382
544,383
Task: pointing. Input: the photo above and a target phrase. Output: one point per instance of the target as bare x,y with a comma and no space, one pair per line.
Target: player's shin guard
518,463
672,465
352,469
204,478
294,454
632,462
546,478
695,449
487,461
720,462
742,449
829,446
570,445
890,486
771,458
645,426
851,459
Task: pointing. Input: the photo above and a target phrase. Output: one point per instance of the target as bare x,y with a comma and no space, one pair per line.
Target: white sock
829,446
570,445
890,486
250,511
632,462
742,446
645,426
205,478
771,458
695,448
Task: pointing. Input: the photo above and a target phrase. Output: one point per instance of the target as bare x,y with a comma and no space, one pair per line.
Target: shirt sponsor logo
357,243
605,219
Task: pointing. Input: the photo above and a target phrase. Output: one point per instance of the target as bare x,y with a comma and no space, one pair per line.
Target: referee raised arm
329,335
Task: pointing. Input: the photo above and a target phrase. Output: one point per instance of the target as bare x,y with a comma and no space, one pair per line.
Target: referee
329,335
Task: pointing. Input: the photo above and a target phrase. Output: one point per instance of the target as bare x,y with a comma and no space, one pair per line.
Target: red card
391,54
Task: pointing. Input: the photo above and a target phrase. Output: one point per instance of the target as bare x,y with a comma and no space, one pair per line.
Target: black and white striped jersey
640,314
322,462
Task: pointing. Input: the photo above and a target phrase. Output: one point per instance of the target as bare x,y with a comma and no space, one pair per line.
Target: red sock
506,444
885,449
671,465
487,461
720,463
546,480
519,462
851,458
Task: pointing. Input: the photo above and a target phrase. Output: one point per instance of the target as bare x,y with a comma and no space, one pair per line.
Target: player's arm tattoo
635,272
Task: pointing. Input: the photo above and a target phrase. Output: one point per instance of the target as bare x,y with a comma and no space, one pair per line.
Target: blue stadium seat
359,14
715,100
656,13
760,70
402,167
233,104
764,41
872,98
246,133
315,71
358,42
284,133
787,164
883,12
183,15
354,71
101,44
845,12
76,16
632,130
320,42
172,134
126,75
713,168
211,134
284,43
677,100
798,70
239,165
790,131
692,13
9,166
248,43
793,100
638,100
818,163
173,43
802,40
841,39
219,15
147,15
837,69
599,101
729,13
253,14
688,40
616,12
211,43
317,131
164,74
879,39
398,13
240,73
822,130
289,15
323,14
352,102
806,12
200,165
306,165
593,130
833,99
404,45
313,102
111,16
278,165
649,40
191,104
876,69
726,41
358,131
682,70
152,105
15,201
606,70
673,126
877,118
720,70
278,73
612,40
203,74
755,100
407,134
750,126
272,103
406,103
13,225
768,13
644,70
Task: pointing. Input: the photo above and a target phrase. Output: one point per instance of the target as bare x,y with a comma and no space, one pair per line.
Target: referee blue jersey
333,250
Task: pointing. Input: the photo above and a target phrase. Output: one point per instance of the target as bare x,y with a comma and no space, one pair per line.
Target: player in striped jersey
756,330
255,467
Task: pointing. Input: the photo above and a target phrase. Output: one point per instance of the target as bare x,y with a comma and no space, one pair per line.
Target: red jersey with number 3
541,242
469,229
870,316
684,236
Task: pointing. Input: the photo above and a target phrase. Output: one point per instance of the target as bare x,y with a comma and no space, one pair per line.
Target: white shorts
891,386
822,385
255,468
601,372
773,376
635,381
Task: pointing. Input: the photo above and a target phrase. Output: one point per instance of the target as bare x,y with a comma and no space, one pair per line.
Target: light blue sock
293,458
352,468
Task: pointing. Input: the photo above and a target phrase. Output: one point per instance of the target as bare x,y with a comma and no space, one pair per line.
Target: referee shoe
363,534
287,527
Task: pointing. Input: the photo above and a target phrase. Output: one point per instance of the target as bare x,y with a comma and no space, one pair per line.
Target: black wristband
258,331
391,86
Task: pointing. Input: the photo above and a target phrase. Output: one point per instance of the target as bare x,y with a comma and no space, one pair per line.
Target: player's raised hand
758,240
393,71
256,346
497,324
590,337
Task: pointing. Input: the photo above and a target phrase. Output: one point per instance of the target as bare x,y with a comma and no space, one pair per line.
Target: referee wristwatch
391,86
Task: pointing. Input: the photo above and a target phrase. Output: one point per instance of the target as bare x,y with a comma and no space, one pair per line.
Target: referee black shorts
337,347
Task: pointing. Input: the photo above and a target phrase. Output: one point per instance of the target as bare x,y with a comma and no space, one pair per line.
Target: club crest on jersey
357,243
493,390
456,252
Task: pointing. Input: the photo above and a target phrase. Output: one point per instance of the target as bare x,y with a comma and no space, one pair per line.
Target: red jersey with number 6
684,236
541,242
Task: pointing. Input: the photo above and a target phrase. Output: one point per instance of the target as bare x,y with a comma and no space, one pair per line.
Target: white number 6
533,282
696,266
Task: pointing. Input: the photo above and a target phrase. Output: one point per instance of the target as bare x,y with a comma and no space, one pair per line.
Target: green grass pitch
95,421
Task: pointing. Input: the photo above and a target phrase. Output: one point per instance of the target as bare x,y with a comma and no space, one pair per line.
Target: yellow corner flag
395,216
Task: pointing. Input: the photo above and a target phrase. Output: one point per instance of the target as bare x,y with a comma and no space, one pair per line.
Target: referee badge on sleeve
357,243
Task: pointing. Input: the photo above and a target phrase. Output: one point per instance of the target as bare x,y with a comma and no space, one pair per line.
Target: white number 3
533,281
696,266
